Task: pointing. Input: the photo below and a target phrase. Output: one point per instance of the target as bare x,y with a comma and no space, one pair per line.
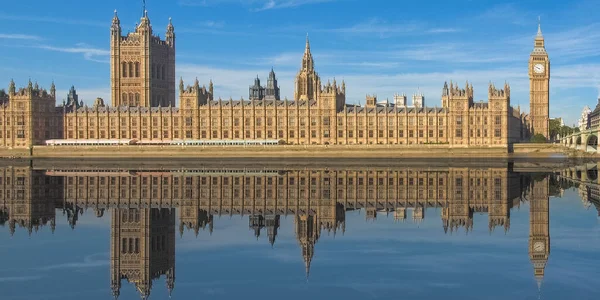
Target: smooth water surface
302,232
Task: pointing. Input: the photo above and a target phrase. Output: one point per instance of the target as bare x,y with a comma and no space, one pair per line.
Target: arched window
131,99
124,99
124,65
157,71
131,70
153,71
163,72
137,69
137,99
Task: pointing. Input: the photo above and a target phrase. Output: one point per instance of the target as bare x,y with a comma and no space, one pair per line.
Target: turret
399,100
99,102
116,289
53,90
144,26
115,28
193,96
73,98
170,35
11,88
371,101
170,280
418,99
211,89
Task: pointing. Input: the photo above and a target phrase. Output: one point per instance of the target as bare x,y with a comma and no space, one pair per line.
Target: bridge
584,174
586,141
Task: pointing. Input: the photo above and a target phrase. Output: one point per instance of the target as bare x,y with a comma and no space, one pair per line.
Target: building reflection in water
143,203
142,248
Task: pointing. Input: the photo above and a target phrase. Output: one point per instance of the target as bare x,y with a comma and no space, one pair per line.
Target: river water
299,231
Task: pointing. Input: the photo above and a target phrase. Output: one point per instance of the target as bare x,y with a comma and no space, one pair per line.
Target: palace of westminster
143,106
143,202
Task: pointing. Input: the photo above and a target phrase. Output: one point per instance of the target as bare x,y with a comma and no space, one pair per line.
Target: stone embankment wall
298,151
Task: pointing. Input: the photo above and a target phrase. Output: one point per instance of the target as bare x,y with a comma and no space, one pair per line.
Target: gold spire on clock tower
539,86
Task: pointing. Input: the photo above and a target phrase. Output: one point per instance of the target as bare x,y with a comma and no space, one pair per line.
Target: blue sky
379,47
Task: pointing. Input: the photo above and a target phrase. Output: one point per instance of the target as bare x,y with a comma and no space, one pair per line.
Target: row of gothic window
132,69
132,215
130,99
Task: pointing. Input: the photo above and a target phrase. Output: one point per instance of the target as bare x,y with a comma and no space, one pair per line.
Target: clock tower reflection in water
539,227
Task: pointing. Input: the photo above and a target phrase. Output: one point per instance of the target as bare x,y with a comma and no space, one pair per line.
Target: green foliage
554,127
538,138
576,129
565,131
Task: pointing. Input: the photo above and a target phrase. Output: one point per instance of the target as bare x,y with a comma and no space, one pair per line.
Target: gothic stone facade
143,108
28,116
142,66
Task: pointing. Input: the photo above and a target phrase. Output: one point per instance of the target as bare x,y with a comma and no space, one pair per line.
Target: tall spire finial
539,32
307,43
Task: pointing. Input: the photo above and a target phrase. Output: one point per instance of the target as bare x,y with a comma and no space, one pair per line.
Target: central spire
307,49
539,32
307,60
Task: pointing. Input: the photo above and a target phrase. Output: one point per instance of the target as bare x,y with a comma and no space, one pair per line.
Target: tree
565,130
538,138
554,128
576,129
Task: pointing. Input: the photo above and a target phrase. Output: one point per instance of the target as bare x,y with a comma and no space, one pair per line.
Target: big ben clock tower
539,229
539,86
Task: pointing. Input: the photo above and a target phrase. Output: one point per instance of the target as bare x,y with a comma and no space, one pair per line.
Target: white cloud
89,53
212,24
256,5
19,278
379,27
90,261
277,4
444,30
16,36
385,29
63,21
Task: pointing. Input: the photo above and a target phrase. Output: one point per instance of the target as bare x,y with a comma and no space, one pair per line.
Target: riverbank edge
528,150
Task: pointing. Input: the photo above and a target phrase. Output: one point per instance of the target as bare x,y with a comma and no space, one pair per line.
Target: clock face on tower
538,68
538,247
